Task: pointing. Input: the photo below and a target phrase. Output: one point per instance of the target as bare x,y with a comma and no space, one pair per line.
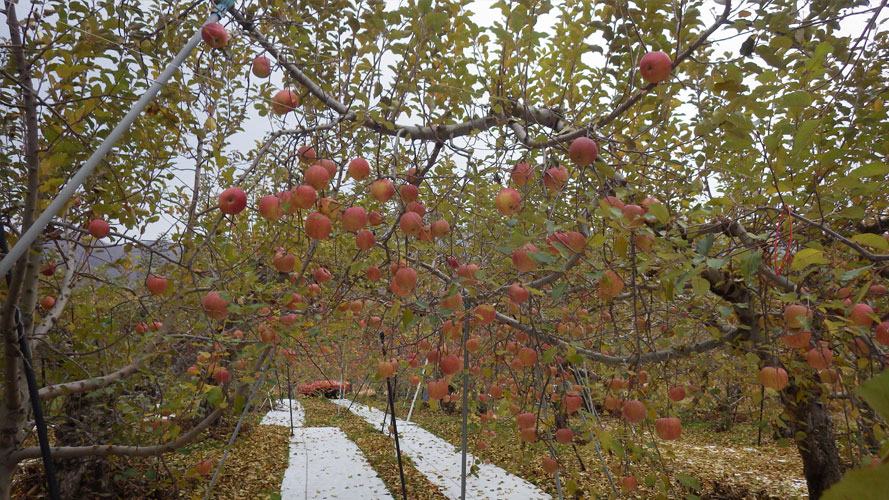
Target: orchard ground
710,464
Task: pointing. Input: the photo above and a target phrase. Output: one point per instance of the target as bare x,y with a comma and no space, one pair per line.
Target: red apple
270,207
643,242
322,275
410,223
47,302
773,377
655,67
450,364
406,278
518,293
416,207
555,178
329,207
794,315
610,285
507,201
232,201
438,389
262,67
374,218
283,262
221,376
611,201
317,176
677,393
365,240
215,306
48,269
204,467
99,228
668,428
860,315
284,101
819,357
583,151
572,240
440,228
526,420
354,219
318,226
382,190
521,174
634,213
527,356
549,464
373,273
634,411
330,166
564,435
629,483
156,284
303,197
214,35
359,169
881,333
385,369
409,193
306,154
522,261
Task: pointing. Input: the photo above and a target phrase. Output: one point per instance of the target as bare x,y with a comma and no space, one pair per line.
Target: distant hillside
122,260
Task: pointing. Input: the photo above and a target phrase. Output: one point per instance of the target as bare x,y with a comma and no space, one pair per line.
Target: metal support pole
417,392
27,239
465,401
289,398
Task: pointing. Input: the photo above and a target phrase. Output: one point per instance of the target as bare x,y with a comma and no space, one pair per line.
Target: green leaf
541,258
660,212
750,263
853,273
558,291
803,137
871,170
866,483
871,240
406,317
700,285
435,21
689,482
807,257
797,99
705,244
876,392
214,396
716,263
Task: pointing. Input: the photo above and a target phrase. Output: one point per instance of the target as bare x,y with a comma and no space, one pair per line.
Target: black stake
42,436
394,425
48,464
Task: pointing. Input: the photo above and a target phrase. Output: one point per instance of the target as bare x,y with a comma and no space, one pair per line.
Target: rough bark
812,429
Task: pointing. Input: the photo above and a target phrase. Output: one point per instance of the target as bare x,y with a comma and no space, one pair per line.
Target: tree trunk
6,472
813,431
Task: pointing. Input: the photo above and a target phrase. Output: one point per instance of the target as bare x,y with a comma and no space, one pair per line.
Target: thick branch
62,300
116,450
91,384
541,116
